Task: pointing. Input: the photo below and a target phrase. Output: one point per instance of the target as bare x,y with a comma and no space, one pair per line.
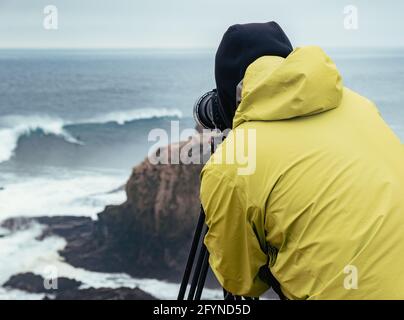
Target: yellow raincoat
323,205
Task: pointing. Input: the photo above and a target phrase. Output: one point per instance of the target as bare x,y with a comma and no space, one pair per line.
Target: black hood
241,45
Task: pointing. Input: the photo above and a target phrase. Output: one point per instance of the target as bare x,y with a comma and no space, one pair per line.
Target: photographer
321,214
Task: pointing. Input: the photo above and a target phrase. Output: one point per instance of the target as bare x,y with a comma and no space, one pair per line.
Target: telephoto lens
204,110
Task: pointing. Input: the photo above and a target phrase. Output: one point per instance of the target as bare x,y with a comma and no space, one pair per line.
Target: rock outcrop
152,230
34,283
69,289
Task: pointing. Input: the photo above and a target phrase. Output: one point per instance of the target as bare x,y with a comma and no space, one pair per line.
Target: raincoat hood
305,83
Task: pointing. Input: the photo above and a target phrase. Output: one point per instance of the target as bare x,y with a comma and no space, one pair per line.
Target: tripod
202,264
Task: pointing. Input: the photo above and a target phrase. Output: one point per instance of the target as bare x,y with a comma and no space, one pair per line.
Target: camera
207,111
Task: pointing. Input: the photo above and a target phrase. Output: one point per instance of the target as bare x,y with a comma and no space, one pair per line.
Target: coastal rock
34,283
68,289
104,294
150,233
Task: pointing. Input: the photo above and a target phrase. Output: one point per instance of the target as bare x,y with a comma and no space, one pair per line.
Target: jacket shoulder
350,97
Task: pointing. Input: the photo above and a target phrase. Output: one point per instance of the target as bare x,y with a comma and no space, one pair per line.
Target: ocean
73,123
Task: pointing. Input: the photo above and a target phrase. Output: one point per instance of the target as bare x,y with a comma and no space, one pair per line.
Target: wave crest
12,128
122,117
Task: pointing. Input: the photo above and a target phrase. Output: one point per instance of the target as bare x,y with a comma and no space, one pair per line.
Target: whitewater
49,190
34,189
13,127
38,256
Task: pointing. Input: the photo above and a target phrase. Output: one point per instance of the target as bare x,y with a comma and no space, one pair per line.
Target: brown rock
68,289
34,283
157,221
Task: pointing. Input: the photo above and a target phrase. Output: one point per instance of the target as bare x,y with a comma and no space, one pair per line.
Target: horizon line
179,47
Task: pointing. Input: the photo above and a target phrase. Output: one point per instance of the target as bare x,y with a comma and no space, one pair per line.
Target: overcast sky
195,23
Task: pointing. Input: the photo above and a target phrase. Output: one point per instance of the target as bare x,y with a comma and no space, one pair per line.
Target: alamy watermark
351,17
351,281
51,18
239,149
50,281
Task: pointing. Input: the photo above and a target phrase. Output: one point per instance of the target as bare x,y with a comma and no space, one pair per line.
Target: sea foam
12,128
60,191
22,251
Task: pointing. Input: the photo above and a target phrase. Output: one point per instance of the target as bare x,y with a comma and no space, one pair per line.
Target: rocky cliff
149,235
153,228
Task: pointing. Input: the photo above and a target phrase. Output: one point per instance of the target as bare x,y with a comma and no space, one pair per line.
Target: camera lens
203,110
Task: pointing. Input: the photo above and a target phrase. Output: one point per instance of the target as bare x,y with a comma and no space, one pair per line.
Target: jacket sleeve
236,237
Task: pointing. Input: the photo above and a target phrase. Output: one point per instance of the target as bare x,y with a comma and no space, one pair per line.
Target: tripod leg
202,277
227,296
192,255
197,272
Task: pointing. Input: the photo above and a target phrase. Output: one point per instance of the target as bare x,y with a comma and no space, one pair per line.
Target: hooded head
242,45
305,83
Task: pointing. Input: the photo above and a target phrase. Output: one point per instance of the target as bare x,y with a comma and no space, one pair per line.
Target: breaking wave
12,128
122,117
